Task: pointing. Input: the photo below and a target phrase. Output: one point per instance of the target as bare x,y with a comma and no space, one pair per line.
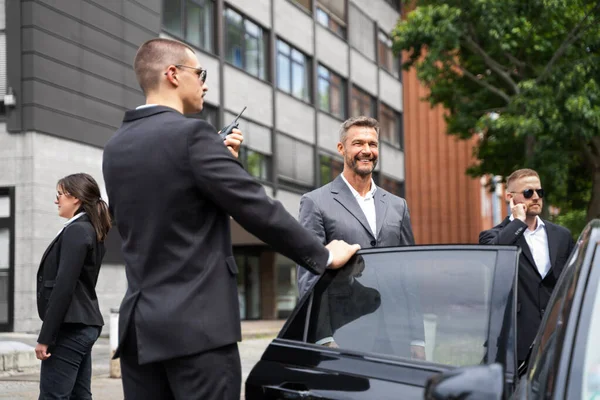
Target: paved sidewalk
21,383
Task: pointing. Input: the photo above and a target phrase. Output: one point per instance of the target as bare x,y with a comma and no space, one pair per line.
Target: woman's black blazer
66,280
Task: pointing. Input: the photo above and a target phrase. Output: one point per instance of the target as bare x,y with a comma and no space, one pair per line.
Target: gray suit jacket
331,212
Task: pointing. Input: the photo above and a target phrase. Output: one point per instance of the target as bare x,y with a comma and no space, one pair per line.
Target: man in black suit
172,186
545,248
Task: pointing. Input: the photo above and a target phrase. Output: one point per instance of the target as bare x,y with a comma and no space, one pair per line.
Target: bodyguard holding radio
545,247
172,187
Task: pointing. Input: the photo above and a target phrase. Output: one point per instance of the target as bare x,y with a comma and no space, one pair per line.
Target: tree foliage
525,76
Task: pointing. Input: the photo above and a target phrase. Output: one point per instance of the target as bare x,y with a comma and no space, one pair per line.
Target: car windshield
432,305
591,365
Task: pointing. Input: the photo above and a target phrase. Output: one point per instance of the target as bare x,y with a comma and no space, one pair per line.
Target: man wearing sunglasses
545,247
173,187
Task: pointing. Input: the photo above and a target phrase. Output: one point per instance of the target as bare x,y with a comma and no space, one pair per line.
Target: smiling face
360,150
67,204
515,191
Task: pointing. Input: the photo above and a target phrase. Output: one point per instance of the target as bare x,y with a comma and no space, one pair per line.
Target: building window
332,93
362,103
306,4
292,71
209,113
390,126
361,32
257,164
245,44
192,20
330,168
332,15
387,60
295,162
393,186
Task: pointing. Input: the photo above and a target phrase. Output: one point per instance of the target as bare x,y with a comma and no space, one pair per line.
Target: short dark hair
84,187
155,55
357,121
520,173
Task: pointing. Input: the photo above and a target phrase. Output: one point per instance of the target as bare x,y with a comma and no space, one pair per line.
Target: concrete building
301,67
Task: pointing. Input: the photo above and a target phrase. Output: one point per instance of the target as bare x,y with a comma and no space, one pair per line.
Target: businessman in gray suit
354,209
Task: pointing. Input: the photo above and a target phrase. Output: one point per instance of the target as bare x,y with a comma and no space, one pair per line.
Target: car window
591,364
411,304
547,349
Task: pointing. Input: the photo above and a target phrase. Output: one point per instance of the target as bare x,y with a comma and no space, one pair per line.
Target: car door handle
292,391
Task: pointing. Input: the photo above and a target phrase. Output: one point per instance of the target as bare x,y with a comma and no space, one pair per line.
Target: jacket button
373,243
543,310
39,278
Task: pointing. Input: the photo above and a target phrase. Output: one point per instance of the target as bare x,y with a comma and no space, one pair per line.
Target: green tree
525,76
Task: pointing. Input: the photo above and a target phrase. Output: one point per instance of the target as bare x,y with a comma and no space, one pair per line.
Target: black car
435,322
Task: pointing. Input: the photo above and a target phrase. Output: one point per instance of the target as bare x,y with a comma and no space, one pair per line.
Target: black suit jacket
534,292
172,186
66,280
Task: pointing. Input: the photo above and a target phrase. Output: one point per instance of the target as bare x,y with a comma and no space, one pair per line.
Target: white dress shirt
537,240
367,204
69,221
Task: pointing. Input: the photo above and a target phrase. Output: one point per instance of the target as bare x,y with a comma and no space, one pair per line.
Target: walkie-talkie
227,130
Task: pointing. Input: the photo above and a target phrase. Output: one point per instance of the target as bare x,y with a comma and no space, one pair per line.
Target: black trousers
67,374
211,375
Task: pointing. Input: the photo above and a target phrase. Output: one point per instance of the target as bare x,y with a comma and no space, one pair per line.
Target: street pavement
24,385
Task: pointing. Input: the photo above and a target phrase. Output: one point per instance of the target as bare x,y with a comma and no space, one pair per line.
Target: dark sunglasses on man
528,193
199,71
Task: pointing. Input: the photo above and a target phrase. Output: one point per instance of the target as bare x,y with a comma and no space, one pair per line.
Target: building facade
300,66
446,205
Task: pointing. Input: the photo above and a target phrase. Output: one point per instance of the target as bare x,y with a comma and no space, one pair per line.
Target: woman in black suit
66,294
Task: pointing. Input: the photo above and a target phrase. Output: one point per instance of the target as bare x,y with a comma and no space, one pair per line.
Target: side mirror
485,382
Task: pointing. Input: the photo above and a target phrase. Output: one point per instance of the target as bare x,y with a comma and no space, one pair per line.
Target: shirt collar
145,106
369,194
74,218
539,225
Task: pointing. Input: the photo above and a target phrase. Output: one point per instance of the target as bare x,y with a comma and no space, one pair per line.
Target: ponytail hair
83,187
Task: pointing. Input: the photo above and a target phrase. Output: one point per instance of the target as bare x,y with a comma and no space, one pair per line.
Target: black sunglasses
529,193
199,71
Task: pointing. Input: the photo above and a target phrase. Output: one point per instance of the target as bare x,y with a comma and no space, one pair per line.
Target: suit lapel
527,252
380,209
343,195
552,244
48,250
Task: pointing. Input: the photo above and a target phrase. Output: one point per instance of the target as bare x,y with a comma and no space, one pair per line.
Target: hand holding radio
232,136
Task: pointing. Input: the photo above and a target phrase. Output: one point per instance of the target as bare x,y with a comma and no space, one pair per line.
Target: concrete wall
33,162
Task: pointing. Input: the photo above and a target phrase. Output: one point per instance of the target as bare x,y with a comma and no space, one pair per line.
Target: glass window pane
282,47
4,248
285,156
4,206
383,303
322,17
234,38
299,81
283,73
287,289
252,54
304,163
297,56
323,94
172,17
199,31
591,366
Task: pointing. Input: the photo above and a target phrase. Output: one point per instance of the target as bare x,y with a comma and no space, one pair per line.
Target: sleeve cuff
324,340
330,258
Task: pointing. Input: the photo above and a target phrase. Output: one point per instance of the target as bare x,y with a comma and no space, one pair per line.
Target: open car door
391,318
